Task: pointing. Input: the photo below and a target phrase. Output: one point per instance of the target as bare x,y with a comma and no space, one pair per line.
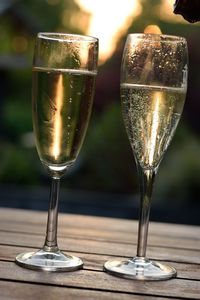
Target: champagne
62,102
151,115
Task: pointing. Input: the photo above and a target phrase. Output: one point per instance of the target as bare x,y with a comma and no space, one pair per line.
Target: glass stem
146,186
51,232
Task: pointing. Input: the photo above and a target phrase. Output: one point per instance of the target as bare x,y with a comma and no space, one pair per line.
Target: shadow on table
95,203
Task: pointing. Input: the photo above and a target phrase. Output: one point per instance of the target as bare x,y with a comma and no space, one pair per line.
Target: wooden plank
103,247
102,281
95,262
96,240
102,235
27,291
100,223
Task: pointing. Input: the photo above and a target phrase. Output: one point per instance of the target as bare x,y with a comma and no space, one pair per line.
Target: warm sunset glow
153,29
109,19
57,118
165,12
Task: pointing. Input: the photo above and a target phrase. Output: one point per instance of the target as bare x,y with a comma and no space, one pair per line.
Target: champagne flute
153,90
64,71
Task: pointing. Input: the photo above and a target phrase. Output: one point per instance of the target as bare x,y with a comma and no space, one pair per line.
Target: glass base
140,268
49,261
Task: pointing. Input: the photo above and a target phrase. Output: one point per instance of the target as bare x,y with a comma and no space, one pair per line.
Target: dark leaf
189,9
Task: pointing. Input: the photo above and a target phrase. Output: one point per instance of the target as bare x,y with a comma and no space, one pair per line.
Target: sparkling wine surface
151,115
62,102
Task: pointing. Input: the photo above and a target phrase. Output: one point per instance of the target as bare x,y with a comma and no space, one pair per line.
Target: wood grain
19,291
129,237
102,281
96,240
95,262
103,247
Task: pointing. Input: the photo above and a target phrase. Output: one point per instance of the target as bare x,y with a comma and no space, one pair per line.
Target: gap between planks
95,262
103,282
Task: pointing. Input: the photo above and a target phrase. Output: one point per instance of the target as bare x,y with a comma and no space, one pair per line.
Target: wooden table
96,240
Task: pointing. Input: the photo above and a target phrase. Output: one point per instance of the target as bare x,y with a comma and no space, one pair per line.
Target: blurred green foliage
108,159
179,176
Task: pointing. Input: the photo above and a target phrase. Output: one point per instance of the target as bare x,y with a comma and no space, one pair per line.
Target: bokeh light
108,21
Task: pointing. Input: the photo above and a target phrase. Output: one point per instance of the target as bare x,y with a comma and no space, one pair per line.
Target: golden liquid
62,102
151,115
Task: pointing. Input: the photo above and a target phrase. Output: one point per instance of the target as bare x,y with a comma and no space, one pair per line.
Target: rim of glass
164,37
66,37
